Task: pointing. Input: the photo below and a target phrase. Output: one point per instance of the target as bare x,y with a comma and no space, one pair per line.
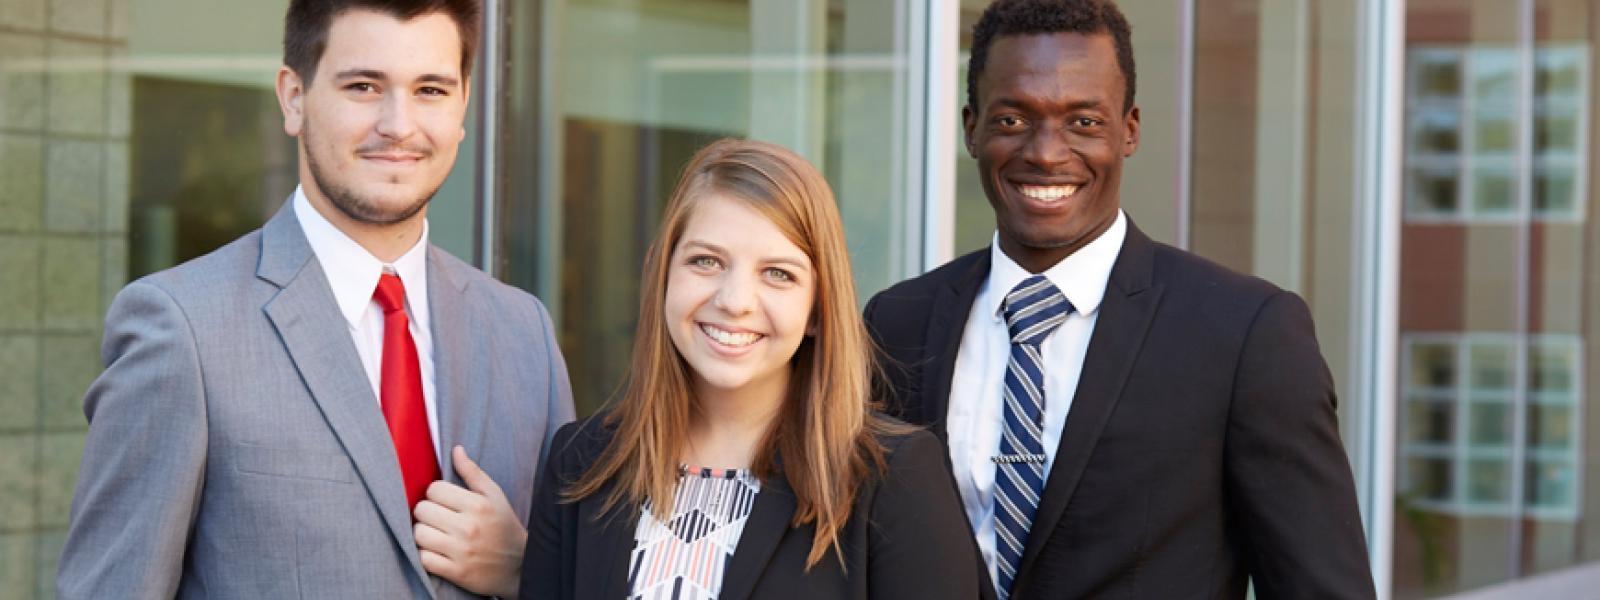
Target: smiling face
380,124
739,297
1050,134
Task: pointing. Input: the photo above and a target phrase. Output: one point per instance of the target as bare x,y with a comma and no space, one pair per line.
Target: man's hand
470,536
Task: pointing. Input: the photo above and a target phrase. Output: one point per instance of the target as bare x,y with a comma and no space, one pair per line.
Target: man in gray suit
324,407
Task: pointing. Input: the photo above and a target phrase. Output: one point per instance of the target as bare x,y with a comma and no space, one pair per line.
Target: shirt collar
1081,276
353,272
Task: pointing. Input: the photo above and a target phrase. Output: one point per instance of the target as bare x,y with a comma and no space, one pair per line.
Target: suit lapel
946,323
459,397
605,545
946,326
768,523
1125,315
307,318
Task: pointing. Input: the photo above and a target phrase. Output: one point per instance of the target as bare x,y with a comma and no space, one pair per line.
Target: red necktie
400,391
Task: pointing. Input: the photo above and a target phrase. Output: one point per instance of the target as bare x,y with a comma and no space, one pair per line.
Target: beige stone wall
64,128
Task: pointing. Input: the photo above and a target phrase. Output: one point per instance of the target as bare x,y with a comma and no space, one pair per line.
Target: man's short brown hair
305,27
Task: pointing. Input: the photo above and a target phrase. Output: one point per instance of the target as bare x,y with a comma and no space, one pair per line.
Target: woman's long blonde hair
826,430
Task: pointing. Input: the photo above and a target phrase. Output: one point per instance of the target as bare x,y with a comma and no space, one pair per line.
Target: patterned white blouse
684,557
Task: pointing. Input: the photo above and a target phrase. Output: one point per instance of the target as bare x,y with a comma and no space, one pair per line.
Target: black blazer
1202,448
906,536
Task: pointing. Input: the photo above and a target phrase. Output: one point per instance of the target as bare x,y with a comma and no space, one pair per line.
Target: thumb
473,475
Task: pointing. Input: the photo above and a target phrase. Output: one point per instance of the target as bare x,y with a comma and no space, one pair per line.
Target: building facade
1418,170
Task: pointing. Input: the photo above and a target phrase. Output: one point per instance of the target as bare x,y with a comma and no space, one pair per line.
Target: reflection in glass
1437,74
1490,366
1490,424
1436,134
1432,479
1555,131
633,89
209,165
1550,486
1431,421
1551,427
1494,78
1432,191
1559,70
1493,133
1555,191
1493,192
1488,481
1433,365
1552,369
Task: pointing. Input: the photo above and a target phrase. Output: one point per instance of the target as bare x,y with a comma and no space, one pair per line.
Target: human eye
1010,122
702,261
1086,122
362,87
779,275
433,91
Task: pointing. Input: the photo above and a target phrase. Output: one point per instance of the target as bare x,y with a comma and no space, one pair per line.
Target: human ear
1131,143
290,90
969,119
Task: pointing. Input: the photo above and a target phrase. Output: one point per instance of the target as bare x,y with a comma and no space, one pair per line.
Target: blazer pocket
294,464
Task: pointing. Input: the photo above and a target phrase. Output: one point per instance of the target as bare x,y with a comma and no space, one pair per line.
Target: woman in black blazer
744,459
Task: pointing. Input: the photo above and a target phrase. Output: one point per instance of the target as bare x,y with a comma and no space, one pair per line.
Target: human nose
396,122
735,296
1048,149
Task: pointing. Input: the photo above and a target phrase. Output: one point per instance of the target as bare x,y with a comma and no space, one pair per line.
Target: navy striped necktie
1034,309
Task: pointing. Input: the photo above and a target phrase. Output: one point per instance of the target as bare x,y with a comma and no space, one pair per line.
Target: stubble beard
352,204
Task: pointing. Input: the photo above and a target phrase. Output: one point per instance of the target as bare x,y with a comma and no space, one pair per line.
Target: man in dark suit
1124,419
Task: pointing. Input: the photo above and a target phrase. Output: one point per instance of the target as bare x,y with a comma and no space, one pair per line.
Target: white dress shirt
977,408
353,274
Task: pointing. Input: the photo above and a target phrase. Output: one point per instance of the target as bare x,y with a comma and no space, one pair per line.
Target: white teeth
1048,193
729,338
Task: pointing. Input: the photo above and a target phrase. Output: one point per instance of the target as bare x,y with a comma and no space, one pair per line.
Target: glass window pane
634,89
1488,482
1559,68
1552,370
1551,427
1550,487
1433,366
1437,74
1436,133
1559,468
1493,132
1494,76
1494,192
1555,191
1556,130
1490,424
1457,286
1432,192
1490,367
1503,283
1432,479
1431,421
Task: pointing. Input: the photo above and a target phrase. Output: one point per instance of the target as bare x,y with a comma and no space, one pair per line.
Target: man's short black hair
1026,17
305,27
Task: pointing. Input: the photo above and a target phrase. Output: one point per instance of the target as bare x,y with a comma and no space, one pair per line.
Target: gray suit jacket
236,449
